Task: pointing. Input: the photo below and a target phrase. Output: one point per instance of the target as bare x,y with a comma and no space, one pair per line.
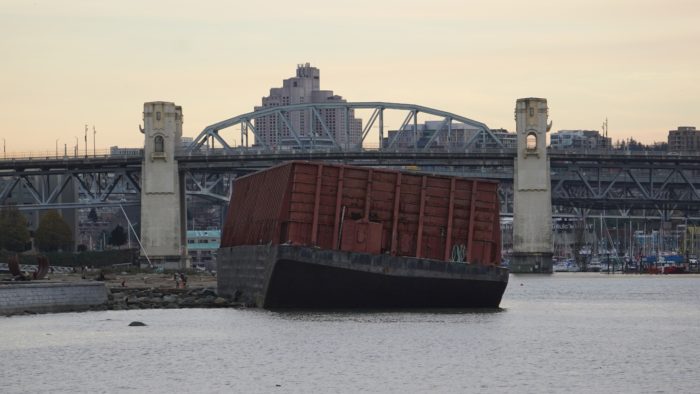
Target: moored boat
325,235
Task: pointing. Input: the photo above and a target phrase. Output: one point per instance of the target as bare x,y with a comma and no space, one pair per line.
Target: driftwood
43,267
13,265
40,272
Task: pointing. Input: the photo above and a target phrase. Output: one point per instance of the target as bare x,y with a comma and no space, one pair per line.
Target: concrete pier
163,217
532,209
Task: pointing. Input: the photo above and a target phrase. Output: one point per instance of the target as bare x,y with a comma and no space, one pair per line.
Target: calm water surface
580,333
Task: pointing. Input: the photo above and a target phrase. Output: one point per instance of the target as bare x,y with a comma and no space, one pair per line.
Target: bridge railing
253,151
327,150
54,155
621,153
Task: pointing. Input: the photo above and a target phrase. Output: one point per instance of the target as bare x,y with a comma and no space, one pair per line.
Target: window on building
159,144
531,141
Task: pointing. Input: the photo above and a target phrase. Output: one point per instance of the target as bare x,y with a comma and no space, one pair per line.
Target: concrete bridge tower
532,209
163,216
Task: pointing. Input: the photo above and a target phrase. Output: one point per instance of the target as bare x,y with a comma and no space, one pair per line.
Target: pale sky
64,64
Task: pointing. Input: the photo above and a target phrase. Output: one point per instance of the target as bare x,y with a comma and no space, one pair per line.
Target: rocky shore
159,298
68,292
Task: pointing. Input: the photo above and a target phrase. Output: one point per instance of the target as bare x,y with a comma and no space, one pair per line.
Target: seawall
36,297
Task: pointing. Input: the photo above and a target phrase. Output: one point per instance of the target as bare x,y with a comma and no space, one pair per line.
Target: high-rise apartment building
685,138
304,88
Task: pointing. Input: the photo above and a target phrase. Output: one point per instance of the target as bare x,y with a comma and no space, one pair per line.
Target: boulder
169,298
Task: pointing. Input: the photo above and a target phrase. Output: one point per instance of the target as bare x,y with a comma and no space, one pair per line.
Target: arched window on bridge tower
531,141
158,144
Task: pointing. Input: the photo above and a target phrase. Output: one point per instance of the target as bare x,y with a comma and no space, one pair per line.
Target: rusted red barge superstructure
392,232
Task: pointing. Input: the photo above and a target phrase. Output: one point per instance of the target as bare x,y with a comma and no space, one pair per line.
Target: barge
319,235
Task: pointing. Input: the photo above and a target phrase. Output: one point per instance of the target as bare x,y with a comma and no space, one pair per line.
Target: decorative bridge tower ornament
163,216
532,209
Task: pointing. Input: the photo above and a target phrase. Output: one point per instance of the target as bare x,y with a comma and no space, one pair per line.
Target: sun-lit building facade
305,87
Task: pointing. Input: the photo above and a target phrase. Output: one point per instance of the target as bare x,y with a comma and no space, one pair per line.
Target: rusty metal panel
361,236
368,210
256,208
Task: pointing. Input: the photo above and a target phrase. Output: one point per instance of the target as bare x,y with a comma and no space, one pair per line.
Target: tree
118,236
53,233
14,235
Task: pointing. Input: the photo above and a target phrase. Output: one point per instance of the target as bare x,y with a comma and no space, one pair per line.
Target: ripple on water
564,333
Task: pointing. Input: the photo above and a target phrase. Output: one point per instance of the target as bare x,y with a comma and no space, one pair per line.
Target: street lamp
94,154
86,129
4,155
76,146
56,147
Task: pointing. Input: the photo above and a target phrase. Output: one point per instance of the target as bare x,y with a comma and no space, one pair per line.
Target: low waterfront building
458,136
202,246
579,139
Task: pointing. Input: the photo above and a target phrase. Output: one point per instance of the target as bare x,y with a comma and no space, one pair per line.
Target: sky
68,63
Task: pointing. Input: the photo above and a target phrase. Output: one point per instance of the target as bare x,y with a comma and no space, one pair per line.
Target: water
581,333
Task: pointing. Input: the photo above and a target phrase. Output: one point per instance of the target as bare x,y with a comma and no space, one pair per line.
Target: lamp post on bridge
76,146
4,155
56,147
94,132
86,129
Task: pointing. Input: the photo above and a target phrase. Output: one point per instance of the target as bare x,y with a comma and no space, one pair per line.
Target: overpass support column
163,212
532,202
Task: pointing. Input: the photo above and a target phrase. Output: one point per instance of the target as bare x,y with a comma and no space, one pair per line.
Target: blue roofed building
202,246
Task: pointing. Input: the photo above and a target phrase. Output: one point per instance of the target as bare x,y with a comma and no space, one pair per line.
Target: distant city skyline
71,63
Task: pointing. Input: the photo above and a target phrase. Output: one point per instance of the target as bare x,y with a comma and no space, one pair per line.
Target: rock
208,292
220,301
136,324
169,299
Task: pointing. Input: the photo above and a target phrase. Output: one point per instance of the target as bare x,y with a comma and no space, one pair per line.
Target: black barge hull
282,276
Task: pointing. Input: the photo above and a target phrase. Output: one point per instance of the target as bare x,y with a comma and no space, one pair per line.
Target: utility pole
86,129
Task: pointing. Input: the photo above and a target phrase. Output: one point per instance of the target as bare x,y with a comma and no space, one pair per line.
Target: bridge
588,183
626,184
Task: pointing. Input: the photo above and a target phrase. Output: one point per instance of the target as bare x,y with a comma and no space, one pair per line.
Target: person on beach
183,279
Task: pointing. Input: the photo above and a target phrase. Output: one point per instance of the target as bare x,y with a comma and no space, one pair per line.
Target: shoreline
120,291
